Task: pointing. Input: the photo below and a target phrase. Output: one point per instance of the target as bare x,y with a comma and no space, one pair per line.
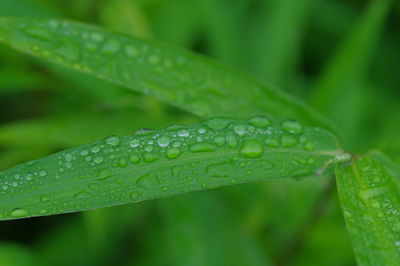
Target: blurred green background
340,56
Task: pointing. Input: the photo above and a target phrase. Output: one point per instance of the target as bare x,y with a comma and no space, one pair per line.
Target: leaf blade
369,195
176,160
181,78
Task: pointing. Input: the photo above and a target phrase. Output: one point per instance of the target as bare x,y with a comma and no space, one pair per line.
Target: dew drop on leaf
251,149
260,121
173,153
112,140
19,213
292,127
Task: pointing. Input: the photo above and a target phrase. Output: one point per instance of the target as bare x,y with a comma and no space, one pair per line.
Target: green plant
252,132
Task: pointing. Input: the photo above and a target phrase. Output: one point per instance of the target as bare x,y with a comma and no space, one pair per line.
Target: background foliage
339,56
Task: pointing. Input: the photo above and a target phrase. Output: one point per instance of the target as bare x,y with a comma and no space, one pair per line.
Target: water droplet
397,243
217,123
366,194
147,181
251,149
98,159
131,51
163,141
143,132
148,148
272,142
202,130
134,158
112,140
134,143
292,127
309,146
183,133
111,46
82,194
134,196
97,37
173,153
288,141
203,147
68,157
231,140
150,157
44,198
43,173
95,149
39,33
240,130
154,59
84,152
260,121
123,163
219,140
19,213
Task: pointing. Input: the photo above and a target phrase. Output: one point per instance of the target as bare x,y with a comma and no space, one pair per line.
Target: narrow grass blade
178,77
341,91
370,198
154,164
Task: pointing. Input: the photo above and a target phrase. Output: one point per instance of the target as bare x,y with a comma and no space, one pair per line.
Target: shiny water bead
134,158
218,123
288,141
219,140
272,142
309,146
134,143
203,147
131,51
260,121
183,133
173,153
231,140
39,33
150,157
163,141
239,129
112,140
292,127
143,132
95,149
111,46
251,149
19,213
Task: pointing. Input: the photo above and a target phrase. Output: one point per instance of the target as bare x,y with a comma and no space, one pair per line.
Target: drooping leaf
154,164
370,198
183,79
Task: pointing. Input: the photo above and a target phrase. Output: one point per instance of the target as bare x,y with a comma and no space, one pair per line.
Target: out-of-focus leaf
370,198
178,77
217,238
340,91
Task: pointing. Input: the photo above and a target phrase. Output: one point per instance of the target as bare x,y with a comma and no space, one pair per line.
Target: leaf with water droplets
370,198
153,164
178,77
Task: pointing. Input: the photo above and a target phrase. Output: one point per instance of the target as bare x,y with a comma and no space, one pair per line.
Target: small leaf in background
153,164
370,198
175,76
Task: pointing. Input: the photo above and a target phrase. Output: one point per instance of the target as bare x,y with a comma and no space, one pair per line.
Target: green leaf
370,200
183,79
341,91
154,164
